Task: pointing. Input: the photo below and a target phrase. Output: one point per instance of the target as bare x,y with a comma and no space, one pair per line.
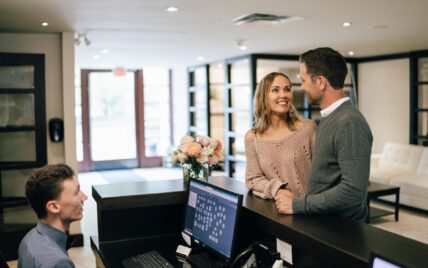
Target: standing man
341,161
54,194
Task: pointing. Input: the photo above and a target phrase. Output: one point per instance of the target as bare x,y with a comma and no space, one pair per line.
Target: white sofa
405,166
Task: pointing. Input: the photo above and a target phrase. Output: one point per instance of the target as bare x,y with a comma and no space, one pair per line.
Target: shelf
377,212
197,109
197,130
16,91
235,110
19,165
232,134
229,86
7,202
197,88
237,158
16,128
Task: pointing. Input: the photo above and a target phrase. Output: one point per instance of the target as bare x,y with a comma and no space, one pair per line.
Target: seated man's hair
45,184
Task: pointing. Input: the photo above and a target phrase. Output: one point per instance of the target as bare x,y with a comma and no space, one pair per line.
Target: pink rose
204,140
213,160
217,150
213,143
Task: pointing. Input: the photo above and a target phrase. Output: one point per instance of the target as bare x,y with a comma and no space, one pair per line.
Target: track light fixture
82,37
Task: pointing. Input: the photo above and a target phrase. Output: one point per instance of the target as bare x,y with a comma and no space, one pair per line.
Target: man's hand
284,201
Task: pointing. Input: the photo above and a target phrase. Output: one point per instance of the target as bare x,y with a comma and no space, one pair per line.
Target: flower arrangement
198,154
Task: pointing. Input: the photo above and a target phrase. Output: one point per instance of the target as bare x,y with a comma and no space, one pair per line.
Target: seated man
54,194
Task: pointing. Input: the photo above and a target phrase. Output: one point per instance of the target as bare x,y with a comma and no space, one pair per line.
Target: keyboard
151,259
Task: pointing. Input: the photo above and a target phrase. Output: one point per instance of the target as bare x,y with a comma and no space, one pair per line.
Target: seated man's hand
284,201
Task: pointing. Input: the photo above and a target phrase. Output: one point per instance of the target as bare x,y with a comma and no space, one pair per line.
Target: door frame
87,164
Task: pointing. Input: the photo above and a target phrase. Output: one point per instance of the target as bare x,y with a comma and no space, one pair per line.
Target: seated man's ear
53,207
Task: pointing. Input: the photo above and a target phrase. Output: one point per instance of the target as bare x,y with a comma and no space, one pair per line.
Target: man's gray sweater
340,167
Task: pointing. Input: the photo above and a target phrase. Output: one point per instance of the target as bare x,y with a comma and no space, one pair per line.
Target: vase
191,172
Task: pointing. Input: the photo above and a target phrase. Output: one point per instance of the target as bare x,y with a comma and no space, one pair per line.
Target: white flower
181,157
202,158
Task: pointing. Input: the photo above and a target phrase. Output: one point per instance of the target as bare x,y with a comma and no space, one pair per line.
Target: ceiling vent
258,18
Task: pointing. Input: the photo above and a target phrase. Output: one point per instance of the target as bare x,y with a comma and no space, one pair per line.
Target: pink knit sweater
285,160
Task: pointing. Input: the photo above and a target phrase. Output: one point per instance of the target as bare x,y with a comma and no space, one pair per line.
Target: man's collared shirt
325,112
44,247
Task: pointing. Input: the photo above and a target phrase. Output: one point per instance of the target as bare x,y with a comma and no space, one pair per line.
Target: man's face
71,201
310,87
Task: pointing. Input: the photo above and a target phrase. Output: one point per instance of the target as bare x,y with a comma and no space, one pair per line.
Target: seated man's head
54,193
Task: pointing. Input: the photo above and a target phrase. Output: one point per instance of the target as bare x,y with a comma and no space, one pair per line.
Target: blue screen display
211,217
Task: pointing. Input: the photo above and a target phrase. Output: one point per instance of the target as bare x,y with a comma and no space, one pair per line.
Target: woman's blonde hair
262,112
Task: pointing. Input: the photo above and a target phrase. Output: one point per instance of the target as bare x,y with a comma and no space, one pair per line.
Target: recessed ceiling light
200,58
171,9
242,47
105,51
45,24
351,53
346,24
96,56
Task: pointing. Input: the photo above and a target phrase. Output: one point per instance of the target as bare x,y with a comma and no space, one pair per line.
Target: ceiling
140,33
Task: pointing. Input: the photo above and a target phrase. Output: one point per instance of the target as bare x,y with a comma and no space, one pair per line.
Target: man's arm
353,146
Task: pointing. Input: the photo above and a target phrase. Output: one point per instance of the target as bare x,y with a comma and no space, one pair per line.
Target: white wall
384,99
180,103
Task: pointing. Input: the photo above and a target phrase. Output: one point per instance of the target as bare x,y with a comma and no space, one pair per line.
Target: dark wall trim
384,57
276,56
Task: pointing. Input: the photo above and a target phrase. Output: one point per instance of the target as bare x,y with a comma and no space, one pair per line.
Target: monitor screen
378,261
211,216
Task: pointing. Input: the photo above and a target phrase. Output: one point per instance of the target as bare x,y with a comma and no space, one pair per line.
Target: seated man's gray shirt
340,169
44,247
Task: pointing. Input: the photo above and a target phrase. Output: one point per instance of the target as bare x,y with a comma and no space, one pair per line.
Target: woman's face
280,95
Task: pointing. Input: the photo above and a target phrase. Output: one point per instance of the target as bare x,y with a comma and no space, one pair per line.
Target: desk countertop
323,234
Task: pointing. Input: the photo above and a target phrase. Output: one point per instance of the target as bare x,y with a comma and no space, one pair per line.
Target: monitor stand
205,259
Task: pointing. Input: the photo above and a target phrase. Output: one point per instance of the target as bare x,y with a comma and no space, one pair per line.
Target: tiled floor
411,224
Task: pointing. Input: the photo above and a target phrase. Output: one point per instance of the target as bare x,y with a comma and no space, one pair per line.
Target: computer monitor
211,217
379,261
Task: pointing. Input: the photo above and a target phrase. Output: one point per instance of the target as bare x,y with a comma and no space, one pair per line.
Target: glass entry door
109,124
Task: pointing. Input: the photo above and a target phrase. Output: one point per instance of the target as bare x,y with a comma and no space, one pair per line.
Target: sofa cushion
400,157
415,185
423,164
383,175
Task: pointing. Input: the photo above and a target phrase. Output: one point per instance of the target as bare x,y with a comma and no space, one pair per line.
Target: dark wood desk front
148,209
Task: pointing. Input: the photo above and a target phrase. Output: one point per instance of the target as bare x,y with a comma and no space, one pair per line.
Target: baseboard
75,240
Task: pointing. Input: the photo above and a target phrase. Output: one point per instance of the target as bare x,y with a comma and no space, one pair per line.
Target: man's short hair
326,62
45,184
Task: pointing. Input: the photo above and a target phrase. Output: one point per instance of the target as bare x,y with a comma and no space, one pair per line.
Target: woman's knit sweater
276,162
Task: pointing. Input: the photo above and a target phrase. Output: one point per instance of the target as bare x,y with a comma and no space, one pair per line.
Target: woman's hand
284,201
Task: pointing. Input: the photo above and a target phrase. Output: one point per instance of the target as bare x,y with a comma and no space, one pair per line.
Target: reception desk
137,217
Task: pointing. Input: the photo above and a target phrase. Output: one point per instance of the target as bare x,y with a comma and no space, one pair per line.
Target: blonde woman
279,147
